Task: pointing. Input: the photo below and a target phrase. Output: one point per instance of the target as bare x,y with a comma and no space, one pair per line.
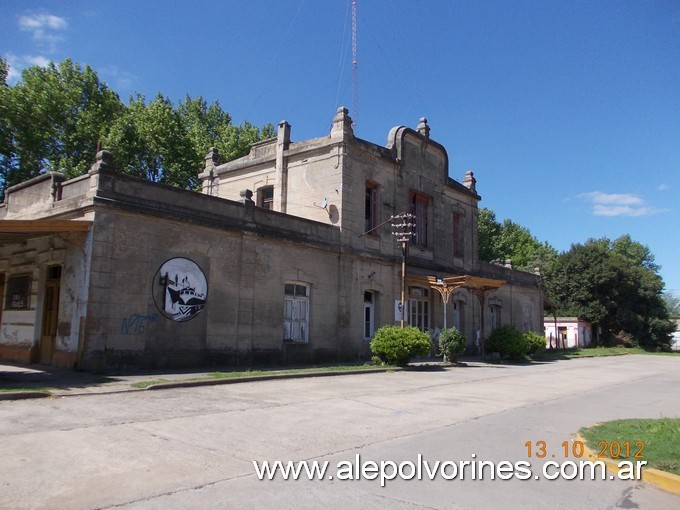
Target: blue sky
568,112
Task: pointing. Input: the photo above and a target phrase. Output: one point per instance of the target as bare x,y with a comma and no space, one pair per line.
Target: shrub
506,341
534,341
452,343
395,345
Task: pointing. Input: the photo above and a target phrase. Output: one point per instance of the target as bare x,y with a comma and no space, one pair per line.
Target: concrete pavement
195,447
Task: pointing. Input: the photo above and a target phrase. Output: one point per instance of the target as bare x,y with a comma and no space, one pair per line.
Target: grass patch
585,352
19,389
590,352
660,437
253,373
145,384
335,368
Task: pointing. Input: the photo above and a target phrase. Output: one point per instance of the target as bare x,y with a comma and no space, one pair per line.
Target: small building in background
675,342
567,332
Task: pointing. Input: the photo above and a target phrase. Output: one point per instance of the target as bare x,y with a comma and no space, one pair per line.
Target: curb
187,383
666,481
255,378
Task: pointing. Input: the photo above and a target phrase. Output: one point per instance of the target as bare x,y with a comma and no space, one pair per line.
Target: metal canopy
480,287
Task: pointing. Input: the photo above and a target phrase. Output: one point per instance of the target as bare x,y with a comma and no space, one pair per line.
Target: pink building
567,332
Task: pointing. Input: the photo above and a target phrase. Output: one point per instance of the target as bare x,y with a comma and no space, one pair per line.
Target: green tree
53,120
672,304
4,72
209,126
509,240
5,129
204,124
489,230
613,285
151,141
57,116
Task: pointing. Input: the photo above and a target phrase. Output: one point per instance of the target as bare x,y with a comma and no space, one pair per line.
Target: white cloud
663,187
618,204
17,63
45,28
38,22
118,78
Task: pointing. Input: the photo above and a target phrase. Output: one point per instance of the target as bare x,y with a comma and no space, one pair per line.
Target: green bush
452,343
506,341
534,341
393,345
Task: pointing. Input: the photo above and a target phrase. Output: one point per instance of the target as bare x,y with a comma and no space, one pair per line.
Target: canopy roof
20,230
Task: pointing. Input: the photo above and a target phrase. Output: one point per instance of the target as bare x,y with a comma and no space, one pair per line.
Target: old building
286,255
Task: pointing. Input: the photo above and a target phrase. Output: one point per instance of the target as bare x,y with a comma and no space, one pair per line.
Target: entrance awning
474,284
480,287
12,231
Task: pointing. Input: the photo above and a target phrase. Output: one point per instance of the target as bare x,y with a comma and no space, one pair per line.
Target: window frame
18,291
296,305
370,206
419,313
458,235
495,311
419,205
369,322
265,197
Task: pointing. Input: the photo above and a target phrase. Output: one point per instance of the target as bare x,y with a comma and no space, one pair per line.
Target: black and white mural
180,289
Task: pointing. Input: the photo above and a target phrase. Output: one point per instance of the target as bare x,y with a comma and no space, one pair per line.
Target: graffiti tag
135,323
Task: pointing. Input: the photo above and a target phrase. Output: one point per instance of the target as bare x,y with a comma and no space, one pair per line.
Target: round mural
180,289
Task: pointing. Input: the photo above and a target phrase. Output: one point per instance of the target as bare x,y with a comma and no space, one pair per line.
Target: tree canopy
672,304
56,117
615,285
510,241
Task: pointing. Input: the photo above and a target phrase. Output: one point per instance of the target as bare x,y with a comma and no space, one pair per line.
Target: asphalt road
195,447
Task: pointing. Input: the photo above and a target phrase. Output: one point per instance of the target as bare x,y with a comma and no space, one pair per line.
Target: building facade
287,255
567,333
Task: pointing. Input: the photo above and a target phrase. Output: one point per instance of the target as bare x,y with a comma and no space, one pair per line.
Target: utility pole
403,223
355,71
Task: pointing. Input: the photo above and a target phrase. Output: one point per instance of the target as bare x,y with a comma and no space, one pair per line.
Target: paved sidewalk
35,381
59,381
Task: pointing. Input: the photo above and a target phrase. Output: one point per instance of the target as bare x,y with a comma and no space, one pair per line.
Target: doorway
50,314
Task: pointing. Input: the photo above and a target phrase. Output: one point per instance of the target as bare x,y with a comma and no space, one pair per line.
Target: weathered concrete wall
21,329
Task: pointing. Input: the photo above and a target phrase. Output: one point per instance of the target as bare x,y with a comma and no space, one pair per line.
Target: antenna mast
355,106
